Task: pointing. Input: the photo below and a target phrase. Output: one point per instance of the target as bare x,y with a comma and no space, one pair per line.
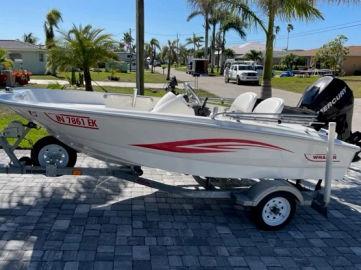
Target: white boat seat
244,103
175,105
272,105
164,99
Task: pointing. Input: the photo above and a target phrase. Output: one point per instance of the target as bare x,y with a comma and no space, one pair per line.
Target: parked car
287,73
242,74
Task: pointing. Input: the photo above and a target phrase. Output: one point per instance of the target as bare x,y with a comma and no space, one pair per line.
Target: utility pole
140,45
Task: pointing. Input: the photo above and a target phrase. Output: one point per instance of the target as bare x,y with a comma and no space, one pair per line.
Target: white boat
166,134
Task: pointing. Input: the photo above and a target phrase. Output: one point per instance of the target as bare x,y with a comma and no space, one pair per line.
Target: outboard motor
333,100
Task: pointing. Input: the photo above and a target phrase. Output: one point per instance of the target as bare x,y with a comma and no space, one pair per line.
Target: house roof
17,45
246,47
353,51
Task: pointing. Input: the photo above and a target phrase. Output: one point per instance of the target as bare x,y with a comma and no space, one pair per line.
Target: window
41,57
15,56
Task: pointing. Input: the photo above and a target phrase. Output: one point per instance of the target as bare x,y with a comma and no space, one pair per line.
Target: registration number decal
73,120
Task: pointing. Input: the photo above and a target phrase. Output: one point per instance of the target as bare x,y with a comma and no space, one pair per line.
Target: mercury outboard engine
333,101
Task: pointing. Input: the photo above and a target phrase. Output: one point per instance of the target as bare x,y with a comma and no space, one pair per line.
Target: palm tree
30,38
183,54
203,8
290,9
52,20
154,44
128,41
195,41
5,62
169,54
289,29
83,48
230,22
277,30
254,55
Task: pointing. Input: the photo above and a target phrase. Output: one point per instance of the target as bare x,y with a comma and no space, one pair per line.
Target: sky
164,19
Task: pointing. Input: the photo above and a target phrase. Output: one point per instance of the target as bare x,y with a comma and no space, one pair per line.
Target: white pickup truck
242,73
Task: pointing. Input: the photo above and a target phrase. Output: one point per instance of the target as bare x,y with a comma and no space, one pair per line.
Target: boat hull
112,130
206,150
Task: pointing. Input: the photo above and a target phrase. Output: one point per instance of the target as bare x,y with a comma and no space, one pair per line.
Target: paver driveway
105,223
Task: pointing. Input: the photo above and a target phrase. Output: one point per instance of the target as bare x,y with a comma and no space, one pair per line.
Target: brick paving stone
118,225
71,266
141,253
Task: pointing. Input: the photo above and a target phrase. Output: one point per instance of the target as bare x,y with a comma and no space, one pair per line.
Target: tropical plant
287,10
289,29
183,54
5,62
332,54
128,41
154,44
196,41
277,30
83,48
30,38
203,8
230,22
254,55
169,55
289,61
52,20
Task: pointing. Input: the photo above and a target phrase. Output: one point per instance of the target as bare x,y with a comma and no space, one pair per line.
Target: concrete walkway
102,83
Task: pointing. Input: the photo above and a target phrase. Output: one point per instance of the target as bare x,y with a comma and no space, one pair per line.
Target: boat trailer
250,196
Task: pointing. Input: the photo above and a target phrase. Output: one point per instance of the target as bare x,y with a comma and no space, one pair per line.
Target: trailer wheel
50,150
25,161
275,211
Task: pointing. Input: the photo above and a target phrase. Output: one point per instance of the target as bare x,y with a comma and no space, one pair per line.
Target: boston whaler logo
320,157
333,101
73,120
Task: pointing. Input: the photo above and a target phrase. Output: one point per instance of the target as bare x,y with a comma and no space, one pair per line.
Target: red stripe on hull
203,146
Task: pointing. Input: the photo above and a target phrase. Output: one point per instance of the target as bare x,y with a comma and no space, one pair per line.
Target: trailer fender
255,194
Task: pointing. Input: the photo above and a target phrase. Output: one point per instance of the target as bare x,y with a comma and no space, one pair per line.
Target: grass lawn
6,116
103,76
298,85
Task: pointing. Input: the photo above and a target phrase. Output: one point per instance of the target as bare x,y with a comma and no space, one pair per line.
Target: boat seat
244,103
272,105
175,105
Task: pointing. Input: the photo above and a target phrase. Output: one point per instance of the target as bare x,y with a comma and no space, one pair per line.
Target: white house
25,55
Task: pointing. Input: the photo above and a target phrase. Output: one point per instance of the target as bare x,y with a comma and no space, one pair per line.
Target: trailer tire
274,211
26,161
63,155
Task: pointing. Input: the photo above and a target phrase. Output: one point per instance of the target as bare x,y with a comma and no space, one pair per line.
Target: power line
309,33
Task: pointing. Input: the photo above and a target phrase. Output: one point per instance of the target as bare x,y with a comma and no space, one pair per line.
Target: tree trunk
206,25
221,59
152,60
213,47
266,90
168,71
88,80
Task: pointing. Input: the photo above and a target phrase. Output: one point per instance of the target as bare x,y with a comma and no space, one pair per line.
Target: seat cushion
244,103
272,105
